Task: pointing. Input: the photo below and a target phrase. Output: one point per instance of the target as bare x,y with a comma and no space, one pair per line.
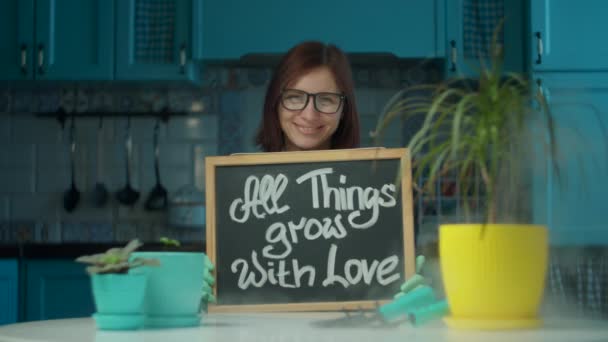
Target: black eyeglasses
327,103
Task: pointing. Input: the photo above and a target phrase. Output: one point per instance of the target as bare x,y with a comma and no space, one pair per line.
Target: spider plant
477,128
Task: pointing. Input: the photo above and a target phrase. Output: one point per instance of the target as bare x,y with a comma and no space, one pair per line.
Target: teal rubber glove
414,281
208,282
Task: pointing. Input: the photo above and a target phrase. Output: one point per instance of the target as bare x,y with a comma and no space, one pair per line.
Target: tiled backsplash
224,113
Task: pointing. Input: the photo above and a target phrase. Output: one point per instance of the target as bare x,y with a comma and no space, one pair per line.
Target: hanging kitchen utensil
71,197
157,199
100,192
128,196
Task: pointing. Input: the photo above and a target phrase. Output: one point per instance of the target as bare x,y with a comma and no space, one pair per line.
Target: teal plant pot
119,300
174,290
118,322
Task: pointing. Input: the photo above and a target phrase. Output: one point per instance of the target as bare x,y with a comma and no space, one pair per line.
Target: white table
292,327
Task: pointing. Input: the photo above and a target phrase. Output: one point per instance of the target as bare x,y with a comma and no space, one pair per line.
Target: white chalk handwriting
354,272
265,193
355,207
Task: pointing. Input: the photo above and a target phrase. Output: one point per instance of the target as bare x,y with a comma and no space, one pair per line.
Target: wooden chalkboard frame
402,154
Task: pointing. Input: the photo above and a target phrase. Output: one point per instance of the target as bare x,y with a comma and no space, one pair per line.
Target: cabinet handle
539,47
40,59
182,59
24,59
453,55
542,94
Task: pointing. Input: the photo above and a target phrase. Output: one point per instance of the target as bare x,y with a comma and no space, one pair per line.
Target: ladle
100,192
128,196
157,199
71,197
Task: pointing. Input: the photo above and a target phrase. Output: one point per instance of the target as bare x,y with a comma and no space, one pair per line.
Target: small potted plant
177,289
490,134
118,286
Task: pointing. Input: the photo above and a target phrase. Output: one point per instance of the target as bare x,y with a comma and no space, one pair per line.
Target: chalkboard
315,230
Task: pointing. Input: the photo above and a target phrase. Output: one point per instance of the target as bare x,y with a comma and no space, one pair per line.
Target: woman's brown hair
298,61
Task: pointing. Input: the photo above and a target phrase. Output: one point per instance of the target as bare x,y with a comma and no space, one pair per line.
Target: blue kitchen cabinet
74,40
470,27
16,39
573,204
569,35
57,289
158,40
56,40
405,28
9,291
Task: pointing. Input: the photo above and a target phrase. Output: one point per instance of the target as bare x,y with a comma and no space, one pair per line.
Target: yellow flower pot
493,279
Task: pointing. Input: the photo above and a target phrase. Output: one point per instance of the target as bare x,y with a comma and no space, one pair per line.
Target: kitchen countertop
293,327
74,250
10,251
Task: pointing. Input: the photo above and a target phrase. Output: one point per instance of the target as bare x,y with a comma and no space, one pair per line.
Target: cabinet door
57,289
470,26
573,205
154,40
406,28
8,291
16,39
569,35
74,39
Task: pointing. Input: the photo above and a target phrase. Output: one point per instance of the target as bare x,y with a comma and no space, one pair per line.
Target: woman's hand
208,282
414,281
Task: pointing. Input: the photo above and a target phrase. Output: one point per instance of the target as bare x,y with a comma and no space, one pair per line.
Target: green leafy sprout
169,242
116,260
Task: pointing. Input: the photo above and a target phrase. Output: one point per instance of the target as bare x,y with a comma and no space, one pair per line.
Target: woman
310,102
309,105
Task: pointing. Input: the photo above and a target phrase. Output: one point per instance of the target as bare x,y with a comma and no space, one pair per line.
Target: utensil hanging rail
61,115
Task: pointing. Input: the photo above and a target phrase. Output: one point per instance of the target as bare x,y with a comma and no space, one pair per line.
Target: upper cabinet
56,39
470,27
16,39
157,40
405,28
74,39
99,40
569,35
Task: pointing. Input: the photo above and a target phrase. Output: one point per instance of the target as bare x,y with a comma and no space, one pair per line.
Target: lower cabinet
572,201
9,291
57,289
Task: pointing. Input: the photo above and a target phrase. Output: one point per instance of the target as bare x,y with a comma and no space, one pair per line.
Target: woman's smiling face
309,129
